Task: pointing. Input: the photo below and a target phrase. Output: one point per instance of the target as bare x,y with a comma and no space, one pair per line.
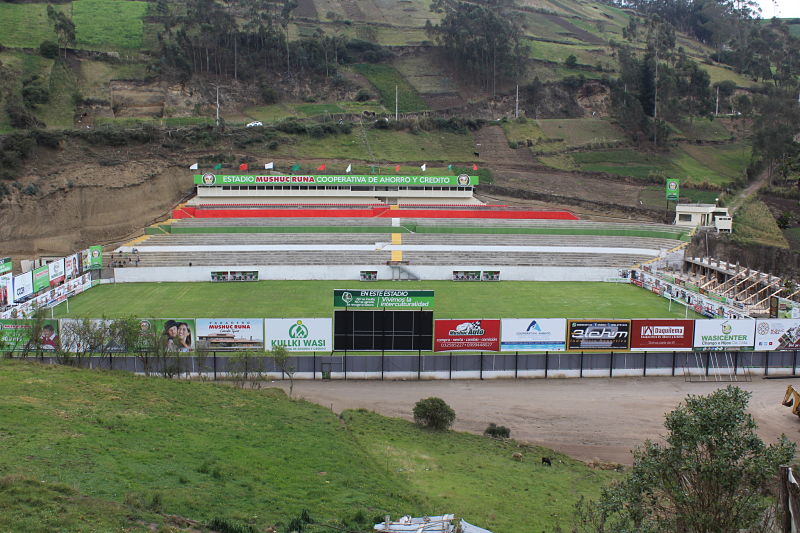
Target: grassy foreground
100,451
288,299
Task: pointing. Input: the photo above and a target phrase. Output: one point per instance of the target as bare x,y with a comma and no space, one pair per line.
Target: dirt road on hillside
584,418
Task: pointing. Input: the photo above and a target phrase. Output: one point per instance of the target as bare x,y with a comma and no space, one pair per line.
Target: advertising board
381,298
778,334
5,265
57,274
71,268
466,335
178,332
23,286
90,335
724,333
41,278
230,334
538,334
95,257
662,334
299,334
462,180
598,334
16,335
6,289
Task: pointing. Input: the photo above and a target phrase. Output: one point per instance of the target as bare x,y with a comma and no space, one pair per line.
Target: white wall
351,272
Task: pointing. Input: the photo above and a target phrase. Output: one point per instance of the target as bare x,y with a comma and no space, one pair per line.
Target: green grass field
109,24
26,25
385,78
275,299
102,451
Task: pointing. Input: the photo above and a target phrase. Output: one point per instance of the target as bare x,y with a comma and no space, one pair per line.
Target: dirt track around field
583,418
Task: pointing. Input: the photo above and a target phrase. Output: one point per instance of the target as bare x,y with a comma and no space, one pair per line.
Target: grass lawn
26,25
385,78
60,110
385,145
311,110
487,489
96,451
109,24
704,129
517,131
654,197
753,223
728,161
275,299
625,163
581,131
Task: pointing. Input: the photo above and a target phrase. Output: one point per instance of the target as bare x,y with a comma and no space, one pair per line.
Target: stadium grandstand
377,228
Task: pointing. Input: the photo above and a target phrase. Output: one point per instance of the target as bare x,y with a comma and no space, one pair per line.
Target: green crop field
109,24
25,25
385,78
108,451
274,299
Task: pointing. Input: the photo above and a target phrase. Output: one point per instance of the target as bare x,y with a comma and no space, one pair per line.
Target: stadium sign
719,333
778,334
673,189
462,180
598,335
230,334
5,265
466,335
381,298
539,334
662,334
41,278
299,334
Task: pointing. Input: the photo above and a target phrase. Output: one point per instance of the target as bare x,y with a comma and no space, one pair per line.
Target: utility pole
655,101
396,106
516,107
217,105
717,110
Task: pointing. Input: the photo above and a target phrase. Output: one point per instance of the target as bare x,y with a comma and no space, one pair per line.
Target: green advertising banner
673,189
15,335
381,298
41,278
95,257
5,265
462,180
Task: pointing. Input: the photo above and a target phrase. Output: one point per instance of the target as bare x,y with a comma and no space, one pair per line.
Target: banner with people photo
71,267
230,334
15,335
724,333
57,274
466,335
533,334
41,278
177,332
299,334
23,286
778,334
668,335
6,289
598,335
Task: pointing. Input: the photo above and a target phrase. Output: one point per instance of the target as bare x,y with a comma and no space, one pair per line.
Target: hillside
128,68
112,450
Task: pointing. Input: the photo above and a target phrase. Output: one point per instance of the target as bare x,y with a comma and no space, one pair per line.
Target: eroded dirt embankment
83,203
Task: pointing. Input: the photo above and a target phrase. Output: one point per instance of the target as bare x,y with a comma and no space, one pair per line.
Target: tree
434,413
63,26
283,363
710,475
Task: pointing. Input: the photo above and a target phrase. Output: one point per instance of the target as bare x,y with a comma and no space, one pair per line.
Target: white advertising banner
533,334
778,334
23,285
56,271
724,333
230,334
299,334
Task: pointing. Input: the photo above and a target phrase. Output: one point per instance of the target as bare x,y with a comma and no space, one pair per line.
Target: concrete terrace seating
219,239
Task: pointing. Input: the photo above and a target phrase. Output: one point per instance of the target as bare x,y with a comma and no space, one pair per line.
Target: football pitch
302,299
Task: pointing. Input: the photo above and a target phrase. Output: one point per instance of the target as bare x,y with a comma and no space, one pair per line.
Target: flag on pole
474,166
243,166
349,168
397,168
194,167
270,165
450,167
218,166
295,168
321,167
424,167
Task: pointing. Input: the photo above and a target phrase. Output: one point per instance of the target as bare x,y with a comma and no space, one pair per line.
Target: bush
269,95
571,61
225,525
48,49
363,95
434,413
497,432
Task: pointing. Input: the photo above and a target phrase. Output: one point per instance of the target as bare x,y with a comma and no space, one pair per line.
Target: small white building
693,215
